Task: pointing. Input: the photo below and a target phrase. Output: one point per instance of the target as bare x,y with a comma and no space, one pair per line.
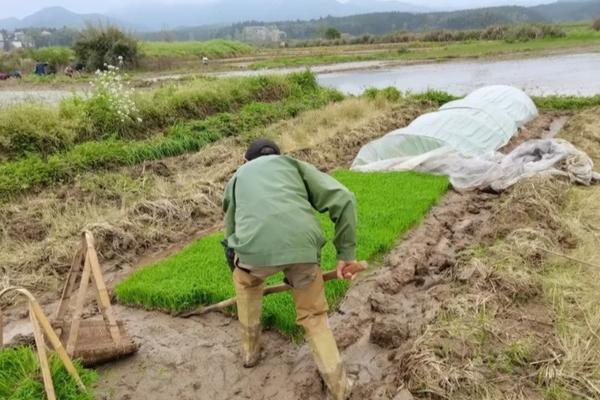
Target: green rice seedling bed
21,378
388,205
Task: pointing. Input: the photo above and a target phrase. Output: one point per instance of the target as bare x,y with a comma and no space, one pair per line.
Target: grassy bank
213,49
39,129
34,172
20,377
388,205
523,321
584,38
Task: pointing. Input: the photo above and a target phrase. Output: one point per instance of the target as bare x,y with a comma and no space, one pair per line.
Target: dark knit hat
261,147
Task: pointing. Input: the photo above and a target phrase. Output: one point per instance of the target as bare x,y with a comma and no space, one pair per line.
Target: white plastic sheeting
461,141
497,171
484,121
507,99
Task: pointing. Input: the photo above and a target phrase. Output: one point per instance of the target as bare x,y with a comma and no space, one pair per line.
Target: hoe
329,276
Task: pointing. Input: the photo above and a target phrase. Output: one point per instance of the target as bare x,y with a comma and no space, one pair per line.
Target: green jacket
269,213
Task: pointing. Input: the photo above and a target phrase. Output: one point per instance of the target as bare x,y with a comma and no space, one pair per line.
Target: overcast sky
12,8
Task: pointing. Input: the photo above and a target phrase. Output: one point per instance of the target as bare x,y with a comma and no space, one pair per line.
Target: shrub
33,128
437,97
495,32
332,33
111,108
56,57
389,93
524,33
98,46
596,24
388,205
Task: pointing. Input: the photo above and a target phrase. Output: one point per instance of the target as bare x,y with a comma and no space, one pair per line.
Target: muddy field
377,326
377,322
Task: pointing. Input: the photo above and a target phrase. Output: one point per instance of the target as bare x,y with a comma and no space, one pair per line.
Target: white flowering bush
111,108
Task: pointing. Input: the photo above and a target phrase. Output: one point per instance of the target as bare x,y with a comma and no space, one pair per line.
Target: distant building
262,34
14,41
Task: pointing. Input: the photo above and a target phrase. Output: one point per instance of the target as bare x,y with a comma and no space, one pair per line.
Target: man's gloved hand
348,269
229,254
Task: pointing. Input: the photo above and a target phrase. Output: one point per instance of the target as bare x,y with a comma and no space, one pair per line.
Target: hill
58,17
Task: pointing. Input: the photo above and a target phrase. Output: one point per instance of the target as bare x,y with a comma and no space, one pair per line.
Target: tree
596,24
332,33
97,46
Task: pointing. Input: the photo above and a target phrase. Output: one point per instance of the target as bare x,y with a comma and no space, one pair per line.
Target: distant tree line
389,22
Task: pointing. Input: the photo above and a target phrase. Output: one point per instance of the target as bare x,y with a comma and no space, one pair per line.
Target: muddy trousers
311,310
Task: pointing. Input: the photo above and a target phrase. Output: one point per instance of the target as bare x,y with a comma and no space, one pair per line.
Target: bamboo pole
56,344
103,297
40,344
74,331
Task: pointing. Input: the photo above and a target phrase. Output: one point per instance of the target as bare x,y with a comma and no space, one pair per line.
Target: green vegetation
97,46
388,205
29,128
439,98
332,34
20,377
213,49
576,37
43,130
56,57
34,171
510,33
566,103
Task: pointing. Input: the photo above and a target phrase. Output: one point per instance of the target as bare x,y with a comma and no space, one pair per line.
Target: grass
20,377
388,205
34,171
539,334
566,103
213,49
42,130
439,98
415,51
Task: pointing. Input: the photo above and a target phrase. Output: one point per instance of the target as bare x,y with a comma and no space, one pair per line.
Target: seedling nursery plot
388,205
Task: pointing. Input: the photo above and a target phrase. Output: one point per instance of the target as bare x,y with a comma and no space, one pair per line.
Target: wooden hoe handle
328,276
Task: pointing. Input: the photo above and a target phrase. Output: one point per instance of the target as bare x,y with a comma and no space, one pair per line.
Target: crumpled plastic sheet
497,171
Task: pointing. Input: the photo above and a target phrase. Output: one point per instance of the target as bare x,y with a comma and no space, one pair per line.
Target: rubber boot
329,363
249,304
311,310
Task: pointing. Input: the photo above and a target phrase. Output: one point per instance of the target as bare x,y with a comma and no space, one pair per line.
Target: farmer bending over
271,226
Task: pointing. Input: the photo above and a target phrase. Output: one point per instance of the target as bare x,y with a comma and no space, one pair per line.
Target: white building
263,34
